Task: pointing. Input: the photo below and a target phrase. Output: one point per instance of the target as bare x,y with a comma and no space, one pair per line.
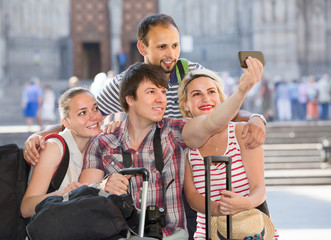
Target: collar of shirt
123,136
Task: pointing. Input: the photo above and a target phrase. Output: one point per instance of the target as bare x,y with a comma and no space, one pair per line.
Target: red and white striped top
218,176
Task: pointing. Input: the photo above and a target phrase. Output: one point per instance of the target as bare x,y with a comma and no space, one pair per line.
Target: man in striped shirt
158,42
143,98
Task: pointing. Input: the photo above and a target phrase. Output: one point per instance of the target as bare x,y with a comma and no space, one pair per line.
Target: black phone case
243,55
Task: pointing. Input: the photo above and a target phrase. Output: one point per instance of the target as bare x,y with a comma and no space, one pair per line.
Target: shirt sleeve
176,127
108,99
93,158
194,66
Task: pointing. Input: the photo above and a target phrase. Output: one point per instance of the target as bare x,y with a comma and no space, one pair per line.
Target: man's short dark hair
136,74
151,21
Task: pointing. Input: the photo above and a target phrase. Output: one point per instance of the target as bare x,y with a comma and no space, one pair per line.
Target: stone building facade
34,40
294,35
90,31
53,39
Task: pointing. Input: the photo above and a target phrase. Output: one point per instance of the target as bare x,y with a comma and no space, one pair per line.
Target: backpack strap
181,69
127,160
62,168
159,164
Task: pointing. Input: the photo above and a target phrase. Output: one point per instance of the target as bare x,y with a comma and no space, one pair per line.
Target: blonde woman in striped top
199,94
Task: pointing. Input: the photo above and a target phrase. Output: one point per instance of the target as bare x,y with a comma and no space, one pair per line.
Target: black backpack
83,214
14,173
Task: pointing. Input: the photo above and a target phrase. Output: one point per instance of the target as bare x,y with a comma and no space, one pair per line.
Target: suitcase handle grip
221,159
135,171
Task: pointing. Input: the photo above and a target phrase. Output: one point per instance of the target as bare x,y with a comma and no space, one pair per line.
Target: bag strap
181,69
127,160
159,164
62,168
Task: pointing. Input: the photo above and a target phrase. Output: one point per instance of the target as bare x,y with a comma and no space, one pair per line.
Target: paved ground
301,212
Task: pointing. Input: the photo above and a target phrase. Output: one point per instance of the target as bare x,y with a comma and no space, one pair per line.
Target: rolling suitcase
228,162
142,217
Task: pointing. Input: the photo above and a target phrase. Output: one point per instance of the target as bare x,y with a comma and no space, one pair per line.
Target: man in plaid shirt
143,98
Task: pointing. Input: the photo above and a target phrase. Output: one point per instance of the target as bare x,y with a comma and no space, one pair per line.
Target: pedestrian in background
324,91
265,97
283,101
294,96
303,99
121,60
48,105
73,82
312,104
32,99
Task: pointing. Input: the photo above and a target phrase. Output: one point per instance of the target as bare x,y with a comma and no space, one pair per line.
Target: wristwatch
260,116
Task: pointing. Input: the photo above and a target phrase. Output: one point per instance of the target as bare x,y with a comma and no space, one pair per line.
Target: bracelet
260,116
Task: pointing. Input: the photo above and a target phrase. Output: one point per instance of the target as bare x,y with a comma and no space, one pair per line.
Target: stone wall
294,35
36,33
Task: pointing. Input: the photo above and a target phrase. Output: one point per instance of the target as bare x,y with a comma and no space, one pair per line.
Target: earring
186,109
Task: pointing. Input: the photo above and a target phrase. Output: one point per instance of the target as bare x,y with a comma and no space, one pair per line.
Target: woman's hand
232,203
70,187
252,74
111,127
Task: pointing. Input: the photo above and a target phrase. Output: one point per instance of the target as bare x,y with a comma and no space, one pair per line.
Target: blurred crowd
307,98
39,103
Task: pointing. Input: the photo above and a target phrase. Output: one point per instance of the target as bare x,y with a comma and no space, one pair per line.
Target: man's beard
166,69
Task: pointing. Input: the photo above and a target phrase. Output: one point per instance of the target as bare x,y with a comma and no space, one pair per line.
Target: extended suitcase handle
136,171
145,174
228,162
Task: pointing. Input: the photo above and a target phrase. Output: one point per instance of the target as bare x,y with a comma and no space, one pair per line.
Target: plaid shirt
105,153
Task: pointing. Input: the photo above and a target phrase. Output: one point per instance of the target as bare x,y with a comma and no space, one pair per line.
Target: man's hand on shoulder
255,127
111,127
30,151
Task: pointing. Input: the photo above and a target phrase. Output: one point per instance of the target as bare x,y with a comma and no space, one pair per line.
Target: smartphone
243,55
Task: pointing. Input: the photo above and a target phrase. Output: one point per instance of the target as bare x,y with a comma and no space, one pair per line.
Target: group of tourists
194,119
